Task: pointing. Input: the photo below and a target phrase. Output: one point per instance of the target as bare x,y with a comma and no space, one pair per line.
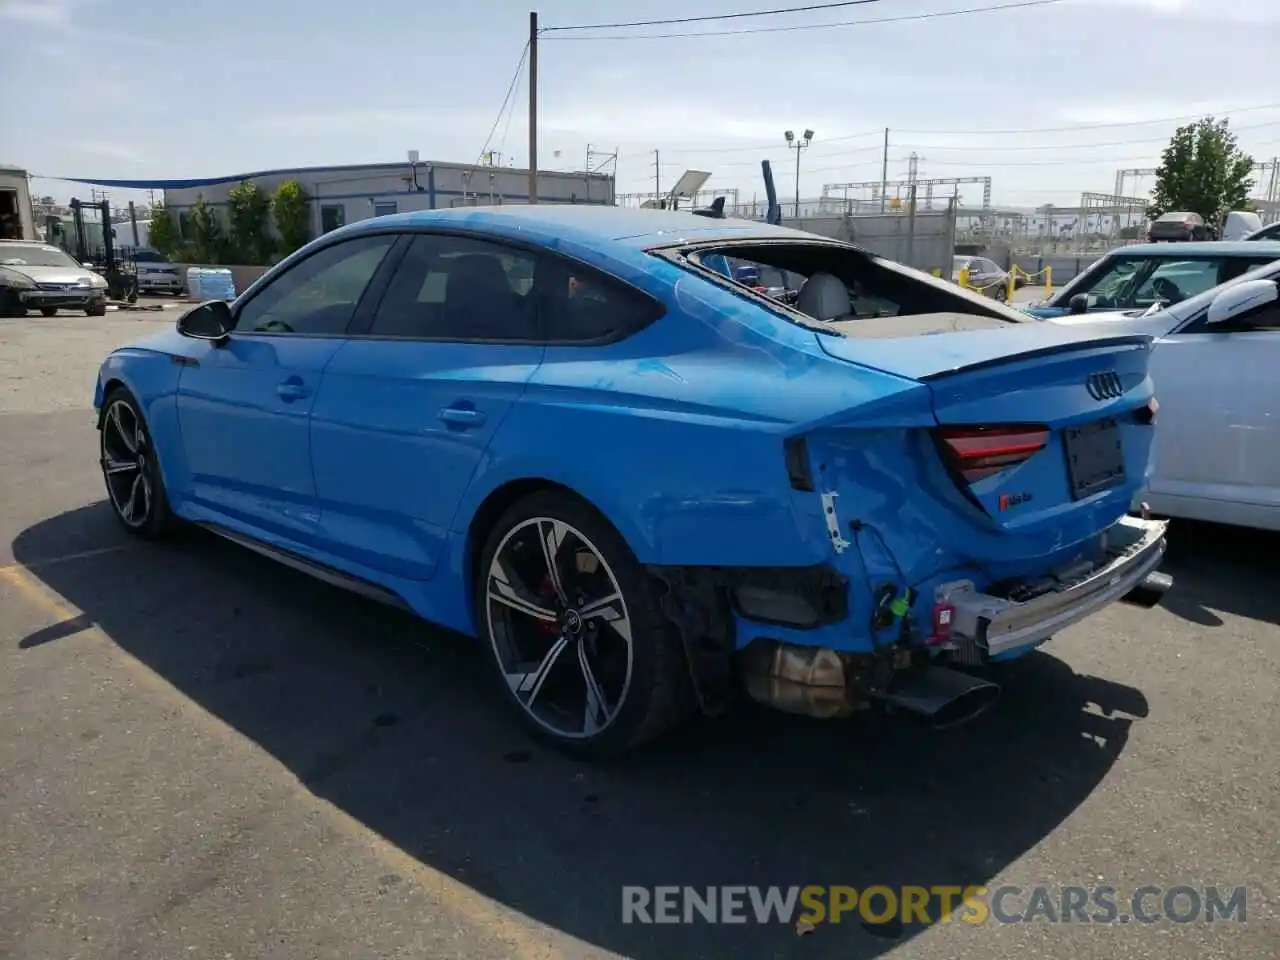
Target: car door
1218,427
409,403
244,404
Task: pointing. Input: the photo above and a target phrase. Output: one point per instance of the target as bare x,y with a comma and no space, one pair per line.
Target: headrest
824,297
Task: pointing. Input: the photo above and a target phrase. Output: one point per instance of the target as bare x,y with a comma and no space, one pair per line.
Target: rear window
837,282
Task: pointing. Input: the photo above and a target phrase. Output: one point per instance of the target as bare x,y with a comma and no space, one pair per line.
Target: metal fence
924,239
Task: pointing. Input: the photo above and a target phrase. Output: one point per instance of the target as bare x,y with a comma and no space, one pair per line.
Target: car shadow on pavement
399,725
1223,569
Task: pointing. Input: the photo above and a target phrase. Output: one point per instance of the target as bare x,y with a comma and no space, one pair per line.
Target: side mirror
1079,303
207,321
1234,303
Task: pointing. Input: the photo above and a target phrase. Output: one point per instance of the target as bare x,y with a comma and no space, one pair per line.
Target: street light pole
798,144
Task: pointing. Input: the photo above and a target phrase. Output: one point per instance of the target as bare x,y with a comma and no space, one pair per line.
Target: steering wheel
1166,290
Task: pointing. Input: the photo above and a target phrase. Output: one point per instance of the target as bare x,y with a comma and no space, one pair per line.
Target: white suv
157,272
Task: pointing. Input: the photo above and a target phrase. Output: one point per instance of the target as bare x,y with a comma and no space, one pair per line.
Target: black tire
48,311
657,692
11,304
131,474
96,310
1002,293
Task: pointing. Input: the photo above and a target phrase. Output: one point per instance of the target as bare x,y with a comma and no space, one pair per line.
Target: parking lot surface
204,754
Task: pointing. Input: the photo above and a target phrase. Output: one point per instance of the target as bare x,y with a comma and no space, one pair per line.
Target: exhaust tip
941,697
966,707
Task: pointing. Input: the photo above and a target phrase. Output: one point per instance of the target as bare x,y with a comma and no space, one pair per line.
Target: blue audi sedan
645,487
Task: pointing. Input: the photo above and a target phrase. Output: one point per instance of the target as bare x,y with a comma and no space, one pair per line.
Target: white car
1216,368
157,272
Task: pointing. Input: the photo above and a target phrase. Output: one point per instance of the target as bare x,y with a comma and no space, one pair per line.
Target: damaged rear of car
979,512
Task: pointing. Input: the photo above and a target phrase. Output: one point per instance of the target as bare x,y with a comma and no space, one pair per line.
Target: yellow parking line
82,555
493,920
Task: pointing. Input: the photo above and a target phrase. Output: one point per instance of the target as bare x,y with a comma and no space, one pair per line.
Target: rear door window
460,288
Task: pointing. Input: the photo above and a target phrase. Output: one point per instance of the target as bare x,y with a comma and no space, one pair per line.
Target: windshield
34,255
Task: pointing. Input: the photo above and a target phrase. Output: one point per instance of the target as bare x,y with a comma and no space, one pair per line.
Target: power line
1092,126
772,144
1060,146
720,16
511,88
904,18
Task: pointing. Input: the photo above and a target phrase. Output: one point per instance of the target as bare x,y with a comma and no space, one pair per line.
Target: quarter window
319,295
582,306
459,288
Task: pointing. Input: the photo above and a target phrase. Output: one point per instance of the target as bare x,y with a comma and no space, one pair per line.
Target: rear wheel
1002,293
48,311
131,468
573,623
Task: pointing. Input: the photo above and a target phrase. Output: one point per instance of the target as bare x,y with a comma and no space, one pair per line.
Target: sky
1047,100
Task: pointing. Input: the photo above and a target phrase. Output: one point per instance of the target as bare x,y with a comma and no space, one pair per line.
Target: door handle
292,389
462,416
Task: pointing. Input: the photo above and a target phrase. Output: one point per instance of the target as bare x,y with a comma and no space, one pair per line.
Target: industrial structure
344,194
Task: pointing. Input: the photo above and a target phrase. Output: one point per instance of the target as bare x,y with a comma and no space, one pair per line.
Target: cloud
361,120
105,148
1229,11
37,11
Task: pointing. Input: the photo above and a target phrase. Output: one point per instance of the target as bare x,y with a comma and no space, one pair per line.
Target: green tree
249,213
1203,171
291,208
208,245
163,233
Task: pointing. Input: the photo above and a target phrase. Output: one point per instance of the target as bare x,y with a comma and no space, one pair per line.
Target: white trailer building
341,195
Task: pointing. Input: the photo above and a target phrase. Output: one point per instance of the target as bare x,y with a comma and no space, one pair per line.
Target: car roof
585,223
1199,248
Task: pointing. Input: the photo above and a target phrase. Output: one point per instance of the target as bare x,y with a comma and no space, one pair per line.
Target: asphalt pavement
204,754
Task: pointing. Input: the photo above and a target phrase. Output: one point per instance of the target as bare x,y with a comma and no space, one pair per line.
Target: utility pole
533,106
884,171
657,178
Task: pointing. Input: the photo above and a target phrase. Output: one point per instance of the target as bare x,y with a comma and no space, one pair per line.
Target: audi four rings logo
1104,386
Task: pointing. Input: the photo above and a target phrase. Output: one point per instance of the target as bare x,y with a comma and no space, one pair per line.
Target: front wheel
572,620
131,468
96,310
48,311
1002,293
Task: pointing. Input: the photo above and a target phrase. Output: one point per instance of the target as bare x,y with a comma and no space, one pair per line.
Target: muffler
945,698
1150,591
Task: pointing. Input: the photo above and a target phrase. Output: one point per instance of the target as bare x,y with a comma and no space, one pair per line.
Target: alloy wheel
560,628
126,457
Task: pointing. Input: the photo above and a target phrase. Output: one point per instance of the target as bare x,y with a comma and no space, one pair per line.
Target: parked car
39,276
1217,449
984,275
157,273
561,430
1179,226
1132,278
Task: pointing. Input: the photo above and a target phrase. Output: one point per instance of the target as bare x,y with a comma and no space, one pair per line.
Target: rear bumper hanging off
997,625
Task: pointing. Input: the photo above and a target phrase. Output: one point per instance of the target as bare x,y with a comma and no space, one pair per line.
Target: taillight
977,452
